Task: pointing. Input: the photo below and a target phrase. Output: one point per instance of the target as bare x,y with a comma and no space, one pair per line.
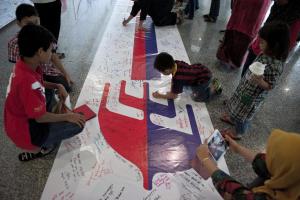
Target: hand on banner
168,95
156,95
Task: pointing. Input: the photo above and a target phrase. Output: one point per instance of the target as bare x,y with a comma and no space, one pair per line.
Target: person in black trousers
161,12
49,14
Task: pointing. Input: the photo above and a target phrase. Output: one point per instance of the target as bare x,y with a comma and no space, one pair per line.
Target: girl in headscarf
279,169
287,11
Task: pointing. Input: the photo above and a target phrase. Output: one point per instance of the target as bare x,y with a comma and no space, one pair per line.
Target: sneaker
217,86
28,156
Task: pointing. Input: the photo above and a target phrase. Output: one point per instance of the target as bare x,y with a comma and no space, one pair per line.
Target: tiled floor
80,35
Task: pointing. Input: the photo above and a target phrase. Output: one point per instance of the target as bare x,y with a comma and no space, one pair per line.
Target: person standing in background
190,8
49,13
213,12
244,23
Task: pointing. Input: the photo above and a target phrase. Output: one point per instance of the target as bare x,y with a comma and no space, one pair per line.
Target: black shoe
206,16
28,156
210,19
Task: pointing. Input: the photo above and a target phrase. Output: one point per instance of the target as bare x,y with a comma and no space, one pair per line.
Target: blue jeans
50,99
240,126
201,92
59,131
214,8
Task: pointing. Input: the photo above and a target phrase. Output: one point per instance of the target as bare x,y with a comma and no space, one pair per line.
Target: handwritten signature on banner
163,180
99,170
112,193
100,178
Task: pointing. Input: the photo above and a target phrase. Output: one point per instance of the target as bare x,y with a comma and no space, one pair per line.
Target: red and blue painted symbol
152,148
144,52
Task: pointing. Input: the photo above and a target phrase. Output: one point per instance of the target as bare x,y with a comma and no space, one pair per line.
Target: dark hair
33,37
25,10
163,61
277,36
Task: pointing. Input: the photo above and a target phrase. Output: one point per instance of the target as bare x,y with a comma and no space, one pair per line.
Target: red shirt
247,16
25,100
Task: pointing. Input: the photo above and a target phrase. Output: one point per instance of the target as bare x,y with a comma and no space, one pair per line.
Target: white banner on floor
137,147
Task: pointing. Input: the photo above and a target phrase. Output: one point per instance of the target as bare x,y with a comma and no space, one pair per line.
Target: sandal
27,156
210,19
230,134
217,86
225,118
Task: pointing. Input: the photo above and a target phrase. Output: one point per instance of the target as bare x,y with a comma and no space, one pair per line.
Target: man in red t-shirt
28,122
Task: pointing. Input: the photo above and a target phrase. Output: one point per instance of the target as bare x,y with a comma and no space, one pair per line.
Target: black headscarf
287,13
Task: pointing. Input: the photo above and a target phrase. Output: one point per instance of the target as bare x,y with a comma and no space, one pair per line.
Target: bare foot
225,118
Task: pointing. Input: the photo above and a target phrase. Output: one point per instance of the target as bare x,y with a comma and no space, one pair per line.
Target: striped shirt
189,75
13,56
13,49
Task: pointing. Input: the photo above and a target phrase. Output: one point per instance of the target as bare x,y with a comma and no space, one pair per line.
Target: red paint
127,136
